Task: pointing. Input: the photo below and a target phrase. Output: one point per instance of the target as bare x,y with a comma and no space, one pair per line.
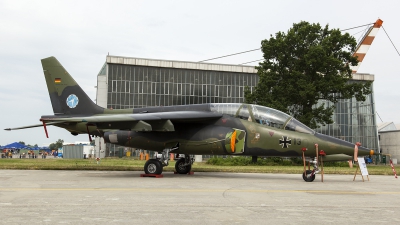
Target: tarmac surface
114,197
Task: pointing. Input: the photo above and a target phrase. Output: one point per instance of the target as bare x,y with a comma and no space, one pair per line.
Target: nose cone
332,145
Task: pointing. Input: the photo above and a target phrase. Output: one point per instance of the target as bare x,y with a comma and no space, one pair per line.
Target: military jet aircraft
202,129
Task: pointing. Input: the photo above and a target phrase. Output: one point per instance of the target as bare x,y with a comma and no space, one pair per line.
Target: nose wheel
308,176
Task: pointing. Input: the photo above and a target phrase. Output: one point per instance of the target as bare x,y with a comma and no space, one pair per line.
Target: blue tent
15,145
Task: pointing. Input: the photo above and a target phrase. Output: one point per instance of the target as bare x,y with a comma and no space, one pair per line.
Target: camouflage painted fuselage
215,138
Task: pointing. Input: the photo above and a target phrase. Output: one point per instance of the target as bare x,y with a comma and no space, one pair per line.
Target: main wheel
153,166
308,177
181,168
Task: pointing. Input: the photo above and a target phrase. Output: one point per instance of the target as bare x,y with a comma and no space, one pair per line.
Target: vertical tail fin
66,96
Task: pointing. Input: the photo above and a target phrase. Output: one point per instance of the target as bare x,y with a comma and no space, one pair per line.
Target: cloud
81,33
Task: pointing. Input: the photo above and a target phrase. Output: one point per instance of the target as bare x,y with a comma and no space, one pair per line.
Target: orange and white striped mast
365,43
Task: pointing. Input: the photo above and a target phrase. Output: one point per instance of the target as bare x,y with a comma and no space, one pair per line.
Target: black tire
180,168
307,177
153,166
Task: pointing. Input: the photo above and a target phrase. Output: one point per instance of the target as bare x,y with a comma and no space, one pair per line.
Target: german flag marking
57,80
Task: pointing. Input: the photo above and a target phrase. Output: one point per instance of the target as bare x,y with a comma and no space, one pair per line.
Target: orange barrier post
394,171
304,160
321,154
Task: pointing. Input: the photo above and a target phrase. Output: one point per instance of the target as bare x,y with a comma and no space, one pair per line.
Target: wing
159,121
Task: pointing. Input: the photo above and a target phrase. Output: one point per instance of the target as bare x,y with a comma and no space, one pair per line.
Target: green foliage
307,64
336,164
247,161
56,145
270,161
296,161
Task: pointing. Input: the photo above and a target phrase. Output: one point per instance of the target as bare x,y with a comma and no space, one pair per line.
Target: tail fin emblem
72,101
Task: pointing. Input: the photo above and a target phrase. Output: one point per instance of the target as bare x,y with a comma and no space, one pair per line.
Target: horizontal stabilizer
31,126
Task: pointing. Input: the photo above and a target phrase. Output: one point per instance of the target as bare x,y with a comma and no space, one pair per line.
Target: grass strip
130,164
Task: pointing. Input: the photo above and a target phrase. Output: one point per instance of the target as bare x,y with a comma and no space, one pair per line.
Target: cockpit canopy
262,115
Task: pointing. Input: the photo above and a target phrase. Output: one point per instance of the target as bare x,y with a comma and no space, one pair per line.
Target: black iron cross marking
285,142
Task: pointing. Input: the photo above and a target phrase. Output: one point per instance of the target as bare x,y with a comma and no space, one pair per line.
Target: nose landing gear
309,175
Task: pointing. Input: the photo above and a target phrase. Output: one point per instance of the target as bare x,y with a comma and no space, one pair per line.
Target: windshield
261,115
296,125
269,117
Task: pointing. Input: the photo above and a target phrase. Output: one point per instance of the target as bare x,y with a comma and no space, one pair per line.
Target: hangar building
389,140
126,82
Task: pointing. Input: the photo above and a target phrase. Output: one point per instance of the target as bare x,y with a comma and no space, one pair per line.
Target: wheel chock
152,175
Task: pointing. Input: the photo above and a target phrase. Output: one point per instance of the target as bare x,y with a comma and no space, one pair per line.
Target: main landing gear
184,165
155,166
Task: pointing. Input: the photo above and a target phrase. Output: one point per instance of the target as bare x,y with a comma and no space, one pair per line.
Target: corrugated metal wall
73,151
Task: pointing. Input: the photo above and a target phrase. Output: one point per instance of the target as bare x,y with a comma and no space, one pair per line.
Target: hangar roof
200,66
180,64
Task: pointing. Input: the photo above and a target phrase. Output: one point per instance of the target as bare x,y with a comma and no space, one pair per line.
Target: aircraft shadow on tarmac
199,175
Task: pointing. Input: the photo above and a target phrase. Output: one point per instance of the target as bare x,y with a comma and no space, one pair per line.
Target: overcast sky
81,33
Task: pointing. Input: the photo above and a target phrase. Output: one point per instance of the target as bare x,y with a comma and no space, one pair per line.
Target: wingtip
8,129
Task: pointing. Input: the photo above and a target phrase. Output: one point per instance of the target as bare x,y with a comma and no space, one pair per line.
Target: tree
303,66
58,144
21,142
